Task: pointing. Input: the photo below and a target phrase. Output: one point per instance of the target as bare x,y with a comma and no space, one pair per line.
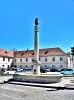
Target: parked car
47,69
59,70
22,72
9,72
19,69
68,72
54,70
42,70
63,69
2,71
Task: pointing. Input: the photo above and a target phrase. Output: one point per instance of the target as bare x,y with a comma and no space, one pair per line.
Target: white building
6,58
71,59
50,57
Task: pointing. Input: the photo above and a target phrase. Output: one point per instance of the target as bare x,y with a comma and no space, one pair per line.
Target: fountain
36,76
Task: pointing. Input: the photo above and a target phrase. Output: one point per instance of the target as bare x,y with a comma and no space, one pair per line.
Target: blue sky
56,19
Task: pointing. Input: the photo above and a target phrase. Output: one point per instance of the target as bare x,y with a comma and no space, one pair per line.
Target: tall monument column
36,68
36,40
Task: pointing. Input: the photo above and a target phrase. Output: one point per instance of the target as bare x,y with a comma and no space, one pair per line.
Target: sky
56,24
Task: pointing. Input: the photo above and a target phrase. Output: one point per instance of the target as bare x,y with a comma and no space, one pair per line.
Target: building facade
71,60
6,59
49,58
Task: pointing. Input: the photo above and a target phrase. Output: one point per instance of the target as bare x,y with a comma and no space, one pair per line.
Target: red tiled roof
6,53
50,52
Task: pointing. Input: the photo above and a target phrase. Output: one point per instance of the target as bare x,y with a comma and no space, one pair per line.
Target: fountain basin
42,78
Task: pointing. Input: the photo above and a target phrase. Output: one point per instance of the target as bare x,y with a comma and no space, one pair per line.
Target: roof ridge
39,49
62,51
51,52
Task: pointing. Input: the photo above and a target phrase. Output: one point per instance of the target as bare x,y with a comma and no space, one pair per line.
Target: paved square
19,92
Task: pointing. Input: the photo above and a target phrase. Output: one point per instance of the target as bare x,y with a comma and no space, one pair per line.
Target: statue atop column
36,21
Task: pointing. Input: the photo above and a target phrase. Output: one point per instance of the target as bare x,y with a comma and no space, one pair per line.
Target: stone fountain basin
42,78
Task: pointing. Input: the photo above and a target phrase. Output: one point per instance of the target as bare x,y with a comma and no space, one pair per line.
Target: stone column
36,69
36,43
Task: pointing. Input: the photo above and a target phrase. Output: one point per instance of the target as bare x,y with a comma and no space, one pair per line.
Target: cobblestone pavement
18,92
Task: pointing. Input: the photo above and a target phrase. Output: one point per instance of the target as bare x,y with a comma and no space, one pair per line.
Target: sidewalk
4,78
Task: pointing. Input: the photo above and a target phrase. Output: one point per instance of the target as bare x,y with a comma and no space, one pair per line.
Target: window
15,66
45,59
32,59
20,65
61,66
39,59
69,69
6,52
8,59
22,53
26,66
32,53
45,65
3,65
20,60
53,58
53,66
46,52
15,60
61,59
11,65
8,66
26,59
3,58
31,66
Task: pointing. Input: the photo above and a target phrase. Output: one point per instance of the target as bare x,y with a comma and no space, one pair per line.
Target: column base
36,69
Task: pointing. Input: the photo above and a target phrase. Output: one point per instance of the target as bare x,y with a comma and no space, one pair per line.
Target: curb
68,76
2,82
37,85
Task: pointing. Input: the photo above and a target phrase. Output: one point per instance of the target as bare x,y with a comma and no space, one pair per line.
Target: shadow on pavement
51,90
